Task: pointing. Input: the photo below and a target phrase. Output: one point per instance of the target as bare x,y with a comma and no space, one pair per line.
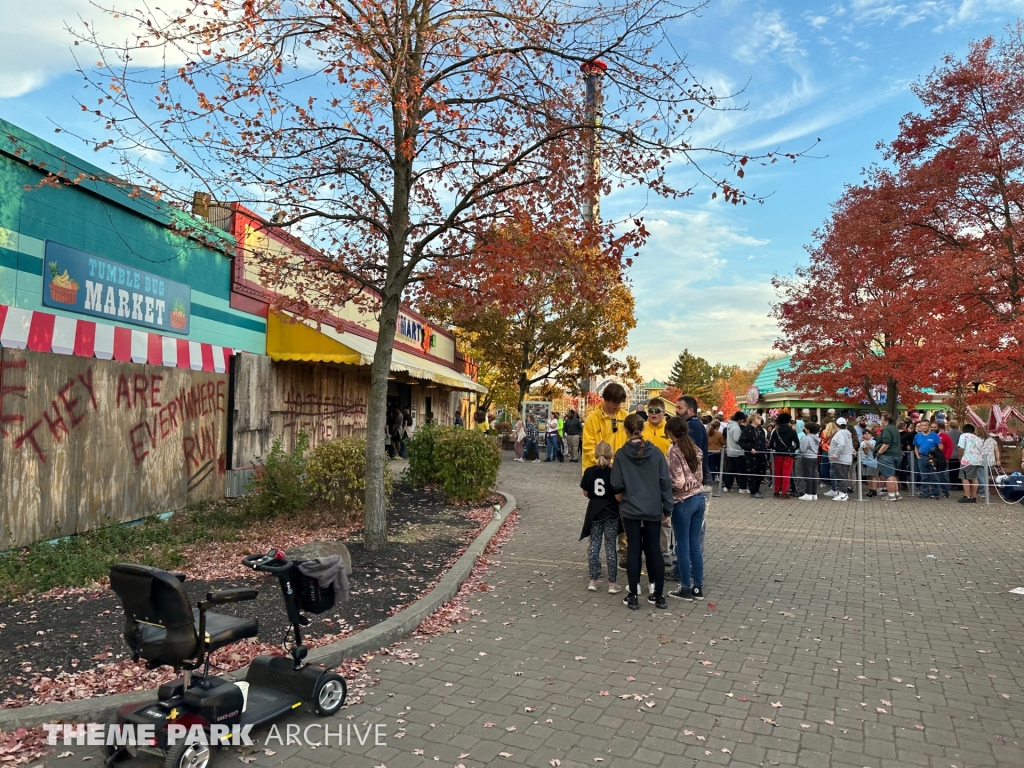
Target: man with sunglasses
654,430
654,427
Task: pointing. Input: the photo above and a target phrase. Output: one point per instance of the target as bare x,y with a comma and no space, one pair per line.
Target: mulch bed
68,644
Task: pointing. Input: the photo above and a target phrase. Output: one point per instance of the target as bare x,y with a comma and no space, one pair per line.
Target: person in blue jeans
685,471
924,442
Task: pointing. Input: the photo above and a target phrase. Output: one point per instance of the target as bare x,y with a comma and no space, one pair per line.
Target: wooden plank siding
86,443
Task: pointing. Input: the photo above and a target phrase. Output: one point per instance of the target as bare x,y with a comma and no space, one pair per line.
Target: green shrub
466,463
420,449
336,475
279,486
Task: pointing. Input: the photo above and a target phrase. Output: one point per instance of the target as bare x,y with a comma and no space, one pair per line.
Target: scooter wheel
329,694
188,756
114,754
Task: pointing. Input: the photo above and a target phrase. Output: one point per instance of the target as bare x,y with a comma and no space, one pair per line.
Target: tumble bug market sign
76,281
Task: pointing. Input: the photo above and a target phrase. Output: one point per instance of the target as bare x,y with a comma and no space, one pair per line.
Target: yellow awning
419,368
289,338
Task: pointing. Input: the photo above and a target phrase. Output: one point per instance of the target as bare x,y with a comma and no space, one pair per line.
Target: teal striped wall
105,220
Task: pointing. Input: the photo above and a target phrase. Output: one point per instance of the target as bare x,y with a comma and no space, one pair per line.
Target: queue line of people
931,458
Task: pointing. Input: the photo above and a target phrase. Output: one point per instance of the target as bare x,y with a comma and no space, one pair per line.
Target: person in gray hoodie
807,463
840,454
643,489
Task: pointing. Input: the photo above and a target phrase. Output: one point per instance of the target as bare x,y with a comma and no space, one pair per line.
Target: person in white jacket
840,455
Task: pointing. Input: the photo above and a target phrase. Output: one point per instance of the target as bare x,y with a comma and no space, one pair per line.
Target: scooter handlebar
272,562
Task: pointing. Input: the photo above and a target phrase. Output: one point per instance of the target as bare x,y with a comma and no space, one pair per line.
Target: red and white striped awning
43,332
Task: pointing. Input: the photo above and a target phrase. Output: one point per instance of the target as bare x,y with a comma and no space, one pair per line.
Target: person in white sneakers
840,456
807,463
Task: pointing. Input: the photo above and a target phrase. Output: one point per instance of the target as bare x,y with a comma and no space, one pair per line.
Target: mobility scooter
162,628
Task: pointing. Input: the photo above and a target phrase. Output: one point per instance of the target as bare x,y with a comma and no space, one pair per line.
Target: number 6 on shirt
599,486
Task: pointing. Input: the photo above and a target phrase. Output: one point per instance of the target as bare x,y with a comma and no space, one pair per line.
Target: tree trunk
892,395
958,402
375,526
524,387
375,535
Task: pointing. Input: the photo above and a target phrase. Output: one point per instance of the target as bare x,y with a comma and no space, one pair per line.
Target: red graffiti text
64,414
187,407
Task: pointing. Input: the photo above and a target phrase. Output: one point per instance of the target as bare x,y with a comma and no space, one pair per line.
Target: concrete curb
104,708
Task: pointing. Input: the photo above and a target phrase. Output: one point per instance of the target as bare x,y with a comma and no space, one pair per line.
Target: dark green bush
279,486
420,448
336,475
466,463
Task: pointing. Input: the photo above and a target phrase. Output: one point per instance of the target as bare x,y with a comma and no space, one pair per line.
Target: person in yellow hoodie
605,424
654,427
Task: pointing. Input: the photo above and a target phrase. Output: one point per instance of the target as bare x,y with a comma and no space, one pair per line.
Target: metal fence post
721,469
912,463
985,478
860,479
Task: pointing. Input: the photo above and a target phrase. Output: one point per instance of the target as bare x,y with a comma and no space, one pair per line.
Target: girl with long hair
826,442
685,473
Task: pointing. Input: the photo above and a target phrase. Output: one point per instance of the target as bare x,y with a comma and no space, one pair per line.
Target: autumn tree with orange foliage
391,135
538,308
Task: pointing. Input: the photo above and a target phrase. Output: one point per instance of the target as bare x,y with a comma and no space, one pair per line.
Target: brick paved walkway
885,632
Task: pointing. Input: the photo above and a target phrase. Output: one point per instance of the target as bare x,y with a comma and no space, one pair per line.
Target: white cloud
687,245
725,323
817,21
969,11
687,250
35,46
769,36
951,13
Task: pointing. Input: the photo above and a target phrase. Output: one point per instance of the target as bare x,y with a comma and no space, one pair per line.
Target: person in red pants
785,444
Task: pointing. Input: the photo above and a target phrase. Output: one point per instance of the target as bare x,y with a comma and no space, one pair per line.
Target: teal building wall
114,222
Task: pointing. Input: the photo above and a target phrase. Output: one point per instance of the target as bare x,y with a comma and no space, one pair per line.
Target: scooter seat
221,630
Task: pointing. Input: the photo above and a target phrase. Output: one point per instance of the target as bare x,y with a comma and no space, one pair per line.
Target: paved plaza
835,635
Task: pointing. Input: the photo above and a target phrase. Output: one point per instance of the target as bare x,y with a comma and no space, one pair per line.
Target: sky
803,71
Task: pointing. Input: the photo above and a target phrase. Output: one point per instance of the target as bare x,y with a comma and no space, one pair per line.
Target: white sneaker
808,497
536,461
614,589
592,587
725,490
650,589
840,497
829,492
744,490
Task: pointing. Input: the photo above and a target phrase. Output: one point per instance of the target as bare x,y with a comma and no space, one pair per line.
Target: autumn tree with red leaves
963,162
393,135
864,317
917,280
671,394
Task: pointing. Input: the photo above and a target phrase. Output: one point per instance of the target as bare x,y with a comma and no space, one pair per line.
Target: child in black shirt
602,520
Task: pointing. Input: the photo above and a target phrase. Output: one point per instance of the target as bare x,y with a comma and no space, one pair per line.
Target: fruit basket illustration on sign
178,318
62,287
